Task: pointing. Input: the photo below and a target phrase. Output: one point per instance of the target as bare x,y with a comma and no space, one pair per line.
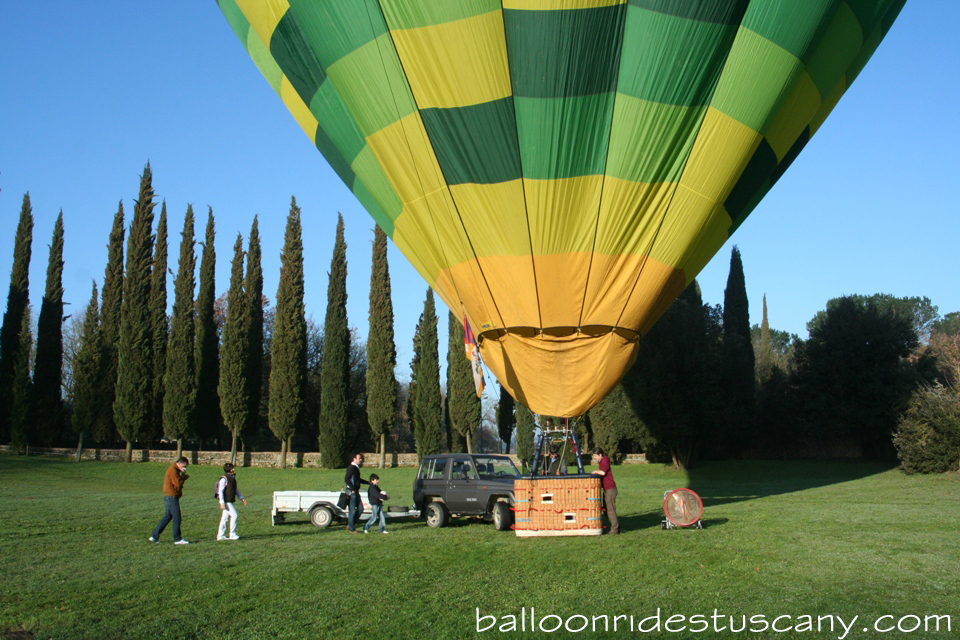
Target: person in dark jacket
557,464
173,481
376,498
353,482
227,494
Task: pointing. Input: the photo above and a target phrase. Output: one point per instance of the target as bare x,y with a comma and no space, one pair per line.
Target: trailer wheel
436,515
321,517
501,516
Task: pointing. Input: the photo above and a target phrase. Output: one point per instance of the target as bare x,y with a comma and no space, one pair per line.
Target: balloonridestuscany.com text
837,626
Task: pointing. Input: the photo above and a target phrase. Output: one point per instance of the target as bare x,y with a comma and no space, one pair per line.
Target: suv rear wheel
501,516
436,515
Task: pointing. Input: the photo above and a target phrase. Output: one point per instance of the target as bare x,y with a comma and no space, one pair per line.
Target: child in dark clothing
376,497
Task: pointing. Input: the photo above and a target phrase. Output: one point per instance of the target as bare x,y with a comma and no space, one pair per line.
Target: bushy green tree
289,343
462,401
48,368
18,299
919,311
160,328
427,408
617,427
207,349
86,370
233,389
381,349
335,369
672,386
927,437
131,408
852,378
180,379
110,312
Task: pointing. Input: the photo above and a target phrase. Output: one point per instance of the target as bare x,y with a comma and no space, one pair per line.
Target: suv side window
438,469
463,469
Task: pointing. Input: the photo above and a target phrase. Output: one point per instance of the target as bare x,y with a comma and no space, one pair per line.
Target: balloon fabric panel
560,170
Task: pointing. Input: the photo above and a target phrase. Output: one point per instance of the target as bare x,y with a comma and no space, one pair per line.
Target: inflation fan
683,508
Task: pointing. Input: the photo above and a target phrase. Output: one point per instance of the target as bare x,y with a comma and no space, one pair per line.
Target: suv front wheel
436,515
501,516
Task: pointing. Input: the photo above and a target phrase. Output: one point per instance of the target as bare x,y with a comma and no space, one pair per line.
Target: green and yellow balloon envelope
560,170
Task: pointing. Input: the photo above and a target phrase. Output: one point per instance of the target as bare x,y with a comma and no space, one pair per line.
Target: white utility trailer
323,509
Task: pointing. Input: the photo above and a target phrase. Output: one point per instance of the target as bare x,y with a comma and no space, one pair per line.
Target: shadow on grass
725,482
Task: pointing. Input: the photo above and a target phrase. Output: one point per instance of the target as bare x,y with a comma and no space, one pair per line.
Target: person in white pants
227,494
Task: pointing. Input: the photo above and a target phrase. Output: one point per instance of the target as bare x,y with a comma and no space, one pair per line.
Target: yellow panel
494,216
794,116
508,297
444,73
828,104
561,281
542,5
407,158
432,220
263,16
562,376
563,213
629,291
693,230
298,108
722,150
630,215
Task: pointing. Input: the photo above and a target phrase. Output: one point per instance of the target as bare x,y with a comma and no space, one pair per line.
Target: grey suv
465,484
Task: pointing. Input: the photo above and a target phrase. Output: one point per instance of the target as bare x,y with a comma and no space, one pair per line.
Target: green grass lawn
781,539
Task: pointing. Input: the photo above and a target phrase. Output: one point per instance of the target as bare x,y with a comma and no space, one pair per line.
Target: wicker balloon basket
558,506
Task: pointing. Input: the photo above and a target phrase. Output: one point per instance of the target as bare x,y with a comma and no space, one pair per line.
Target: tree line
877,377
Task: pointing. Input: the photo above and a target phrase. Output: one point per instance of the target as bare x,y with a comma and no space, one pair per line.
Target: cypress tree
381,349
111,299
48,368
18,298
427,415
207,357
180,379
86,369
234,401
21,406
131,408
765,357
412,387
253,285
463,404
525,426
159,326
335,368
289,346
506,418
737,360
153,428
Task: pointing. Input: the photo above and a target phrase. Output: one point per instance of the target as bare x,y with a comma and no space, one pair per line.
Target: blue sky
89,96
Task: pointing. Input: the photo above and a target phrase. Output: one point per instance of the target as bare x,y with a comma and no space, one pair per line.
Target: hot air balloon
560,170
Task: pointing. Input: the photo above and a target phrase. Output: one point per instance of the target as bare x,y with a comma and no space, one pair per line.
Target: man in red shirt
609,488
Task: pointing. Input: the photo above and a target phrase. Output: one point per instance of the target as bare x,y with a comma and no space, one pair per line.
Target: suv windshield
490,467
